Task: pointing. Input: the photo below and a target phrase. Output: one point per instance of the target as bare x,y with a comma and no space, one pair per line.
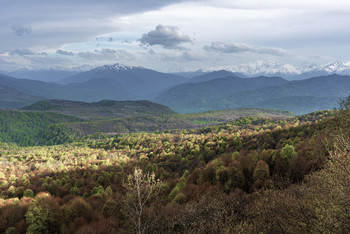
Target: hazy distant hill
297,96
39,88
190,74
140,81
102,109
195,97
300,104
216,74
114,82
12,98
49,75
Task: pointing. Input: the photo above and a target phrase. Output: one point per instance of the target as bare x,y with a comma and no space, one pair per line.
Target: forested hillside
65,121
231,177
34,128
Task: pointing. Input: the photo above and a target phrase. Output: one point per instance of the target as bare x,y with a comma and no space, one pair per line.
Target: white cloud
107,55
303,28
233,48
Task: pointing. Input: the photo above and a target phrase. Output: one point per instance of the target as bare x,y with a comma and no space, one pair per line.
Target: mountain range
291,72
210,91
301,96
113,82
265,68
48,75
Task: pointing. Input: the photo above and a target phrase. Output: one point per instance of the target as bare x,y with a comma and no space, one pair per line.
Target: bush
28,193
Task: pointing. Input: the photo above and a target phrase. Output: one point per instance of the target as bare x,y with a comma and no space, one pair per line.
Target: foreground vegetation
252,175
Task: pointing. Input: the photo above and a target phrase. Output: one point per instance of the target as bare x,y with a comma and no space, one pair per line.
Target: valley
211,91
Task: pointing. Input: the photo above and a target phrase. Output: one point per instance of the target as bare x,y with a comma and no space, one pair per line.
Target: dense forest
252,174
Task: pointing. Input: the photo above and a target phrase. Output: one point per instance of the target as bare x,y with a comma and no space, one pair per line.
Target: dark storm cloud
21,30
64,52
235,48
167,36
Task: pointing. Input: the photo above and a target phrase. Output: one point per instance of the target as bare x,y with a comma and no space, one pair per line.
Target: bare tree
140,188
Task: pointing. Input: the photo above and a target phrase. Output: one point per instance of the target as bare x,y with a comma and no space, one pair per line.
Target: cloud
169,37
105,39
236,48
57,23
21,52
21,30
107,55
64,52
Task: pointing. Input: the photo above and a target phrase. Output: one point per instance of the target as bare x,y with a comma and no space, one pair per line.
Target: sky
172,35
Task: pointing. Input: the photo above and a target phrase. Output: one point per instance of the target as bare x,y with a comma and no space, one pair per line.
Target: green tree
43,215
288,153
261,172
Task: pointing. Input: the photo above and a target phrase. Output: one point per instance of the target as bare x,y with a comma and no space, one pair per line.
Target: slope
14,99
298,96
215,75
143,81
34,128
105,109
196,97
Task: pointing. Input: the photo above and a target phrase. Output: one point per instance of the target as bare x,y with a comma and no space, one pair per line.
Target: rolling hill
300,97
141,81
14,99
105,109
196,97
115,82
215,75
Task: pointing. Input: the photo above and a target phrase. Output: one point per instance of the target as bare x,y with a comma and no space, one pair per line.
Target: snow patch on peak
269,68
116,67
266,68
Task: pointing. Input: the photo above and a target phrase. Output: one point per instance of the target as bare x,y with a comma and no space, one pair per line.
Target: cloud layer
191,34
235,48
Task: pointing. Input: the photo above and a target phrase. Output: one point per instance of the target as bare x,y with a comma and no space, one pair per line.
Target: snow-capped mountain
106,71
115,68
291,72
141,81
337,67
266,69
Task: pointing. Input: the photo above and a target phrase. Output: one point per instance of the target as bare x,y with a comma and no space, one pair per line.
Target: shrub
28,193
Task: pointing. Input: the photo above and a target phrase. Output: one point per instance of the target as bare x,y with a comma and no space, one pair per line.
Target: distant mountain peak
268,68
115,67
332,67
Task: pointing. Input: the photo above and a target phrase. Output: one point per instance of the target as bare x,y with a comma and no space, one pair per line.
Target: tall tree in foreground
140,189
